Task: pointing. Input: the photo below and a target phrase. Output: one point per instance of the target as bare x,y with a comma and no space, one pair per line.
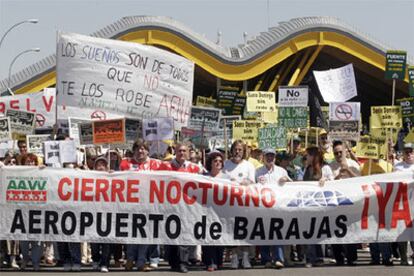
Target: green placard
411,80
272,137
293,117
396,64
407,109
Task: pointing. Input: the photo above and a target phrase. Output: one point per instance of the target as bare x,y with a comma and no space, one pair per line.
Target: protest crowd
247,164
180,137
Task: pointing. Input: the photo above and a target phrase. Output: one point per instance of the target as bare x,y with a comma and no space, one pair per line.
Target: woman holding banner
316,169
213,255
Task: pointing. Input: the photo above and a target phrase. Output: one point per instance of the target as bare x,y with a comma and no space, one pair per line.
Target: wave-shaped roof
242,54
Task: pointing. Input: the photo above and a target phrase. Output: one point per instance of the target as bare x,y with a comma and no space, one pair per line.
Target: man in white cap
406,165
270,174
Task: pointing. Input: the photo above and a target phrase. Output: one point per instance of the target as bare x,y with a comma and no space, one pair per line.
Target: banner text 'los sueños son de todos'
125,78
180,208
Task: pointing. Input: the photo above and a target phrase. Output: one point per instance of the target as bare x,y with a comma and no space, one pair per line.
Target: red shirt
175,166
133,165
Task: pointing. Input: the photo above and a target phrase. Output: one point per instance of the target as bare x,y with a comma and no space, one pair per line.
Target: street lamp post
33,21
13,61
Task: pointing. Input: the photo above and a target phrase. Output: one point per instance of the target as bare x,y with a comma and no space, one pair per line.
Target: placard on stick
109,131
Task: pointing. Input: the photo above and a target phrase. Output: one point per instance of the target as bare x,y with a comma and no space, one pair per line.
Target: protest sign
407,110
196,137
35,143
109,131
6,146
74,128
43,104
246,130
411,80
85,133
204,118
51,152
382,133
158,129
367,150
348,111
319,115
385,117
67,152
293,117
395,65
5,130
337,85
272,137
270,117
225,101
22,123
139,208
133,129
239,105
205,101
293,96
125,78
344,130
258,101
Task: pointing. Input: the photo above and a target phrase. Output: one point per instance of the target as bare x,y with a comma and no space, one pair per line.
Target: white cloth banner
337,85
181,208
125,78
41,103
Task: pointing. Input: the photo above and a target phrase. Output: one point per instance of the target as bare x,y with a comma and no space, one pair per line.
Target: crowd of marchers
247,164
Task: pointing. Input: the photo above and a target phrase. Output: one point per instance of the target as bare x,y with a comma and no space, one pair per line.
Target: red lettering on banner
254,196
364,216
404,213
216,199
272,200
205,187
102,187
236,193
132,189
187,199
118,186
14,104
170,197
48,105
62,195
87,186
382,202
76,190
28,105
176,107
157,190
2,108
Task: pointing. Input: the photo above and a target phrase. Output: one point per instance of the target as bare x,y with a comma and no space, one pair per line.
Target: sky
388,21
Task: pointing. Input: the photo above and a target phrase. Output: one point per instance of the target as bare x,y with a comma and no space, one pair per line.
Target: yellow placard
270,117
381,133
247,131
386,117
205,101
410,137
258,101
367,150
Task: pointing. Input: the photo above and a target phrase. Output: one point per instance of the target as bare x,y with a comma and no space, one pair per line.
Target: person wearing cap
270,174
100,251
342,168
296,156
406,165
250,147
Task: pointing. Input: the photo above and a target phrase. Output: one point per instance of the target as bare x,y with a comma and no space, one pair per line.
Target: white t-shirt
239,172
403,167
327,173
352,165
272,176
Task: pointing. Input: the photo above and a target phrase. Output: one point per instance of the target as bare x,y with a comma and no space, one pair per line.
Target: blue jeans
313,253
36,248
377,249
101,253
70,252
153,253
271,253
137,253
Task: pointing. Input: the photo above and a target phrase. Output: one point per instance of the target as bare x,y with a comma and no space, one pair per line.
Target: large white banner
180,208
337,85
41,103
130,79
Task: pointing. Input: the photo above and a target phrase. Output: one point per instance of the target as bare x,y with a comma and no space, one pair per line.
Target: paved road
362,268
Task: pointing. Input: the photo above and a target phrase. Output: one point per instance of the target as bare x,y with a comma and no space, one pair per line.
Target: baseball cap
269,151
